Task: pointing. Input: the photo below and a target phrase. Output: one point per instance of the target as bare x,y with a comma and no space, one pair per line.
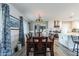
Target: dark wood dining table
43,40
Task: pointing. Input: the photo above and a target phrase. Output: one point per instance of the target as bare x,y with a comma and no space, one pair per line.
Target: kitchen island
66,40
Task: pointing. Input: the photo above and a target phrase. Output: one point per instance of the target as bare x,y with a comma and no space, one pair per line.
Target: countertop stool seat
75,40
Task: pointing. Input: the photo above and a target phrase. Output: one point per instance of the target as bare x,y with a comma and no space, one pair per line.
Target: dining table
45,40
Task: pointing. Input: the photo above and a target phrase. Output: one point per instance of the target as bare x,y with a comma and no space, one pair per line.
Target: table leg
51,49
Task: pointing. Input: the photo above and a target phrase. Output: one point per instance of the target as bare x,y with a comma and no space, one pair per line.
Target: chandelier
39,20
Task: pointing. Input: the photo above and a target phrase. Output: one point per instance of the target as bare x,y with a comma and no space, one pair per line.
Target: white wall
14,12
50,24
26,27
66,26
75,24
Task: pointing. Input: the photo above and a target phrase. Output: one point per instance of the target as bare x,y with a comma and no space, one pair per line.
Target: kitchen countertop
73,33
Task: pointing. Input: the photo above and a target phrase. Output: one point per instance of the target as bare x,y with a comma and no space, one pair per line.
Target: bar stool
75,40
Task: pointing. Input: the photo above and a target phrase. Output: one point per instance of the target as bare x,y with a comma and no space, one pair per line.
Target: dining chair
40,46
29,44
51,46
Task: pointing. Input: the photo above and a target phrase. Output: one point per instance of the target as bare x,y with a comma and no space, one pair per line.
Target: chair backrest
28,37
39,34
40,41
74,38
40,45
30,34
52,37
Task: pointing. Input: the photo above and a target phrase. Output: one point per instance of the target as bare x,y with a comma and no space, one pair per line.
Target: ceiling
49,11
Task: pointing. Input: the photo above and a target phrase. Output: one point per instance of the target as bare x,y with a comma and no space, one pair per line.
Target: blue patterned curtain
1,28
21,32
6,41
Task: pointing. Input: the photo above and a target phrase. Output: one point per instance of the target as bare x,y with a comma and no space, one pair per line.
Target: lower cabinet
66,41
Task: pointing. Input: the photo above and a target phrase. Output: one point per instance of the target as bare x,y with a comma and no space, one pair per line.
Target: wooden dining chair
29,44
40,46
51,44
